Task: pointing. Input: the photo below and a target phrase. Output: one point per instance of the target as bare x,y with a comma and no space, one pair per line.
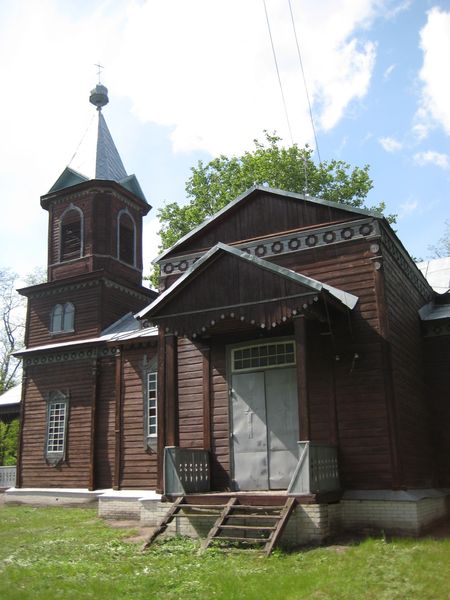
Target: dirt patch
141,535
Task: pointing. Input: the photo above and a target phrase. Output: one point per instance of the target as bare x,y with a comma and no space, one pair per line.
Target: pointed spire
100,158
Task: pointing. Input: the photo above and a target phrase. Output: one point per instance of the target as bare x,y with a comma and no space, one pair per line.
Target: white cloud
407,208
390,144
388,72
433,158
435,92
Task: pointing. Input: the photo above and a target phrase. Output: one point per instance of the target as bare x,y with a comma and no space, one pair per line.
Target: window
277,354
71,234
57,413
151,403
62,318
126,243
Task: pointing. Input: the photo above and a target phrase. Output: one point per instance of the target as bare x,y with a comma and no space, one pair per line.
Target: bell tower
94,247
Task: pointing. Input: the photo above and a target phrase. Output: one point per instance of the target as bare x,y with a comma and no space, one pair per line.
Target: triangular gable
227,283
262,211
68,178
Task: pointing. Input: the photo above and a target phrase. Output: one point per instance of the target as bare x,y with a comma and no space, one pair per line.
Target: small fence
186,471
7,477
317,469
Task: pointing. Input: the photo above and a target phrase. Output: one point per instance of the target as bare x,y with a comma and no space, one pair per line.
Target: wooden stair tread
251,527
249,540
247,516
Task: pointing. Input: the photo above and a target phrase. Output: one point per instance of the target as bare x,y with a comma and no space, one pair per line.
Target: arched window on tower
71,234
126,238
62,318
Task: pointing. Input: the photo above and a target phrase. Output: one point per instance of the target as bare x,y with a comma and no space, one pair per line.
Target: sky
191,80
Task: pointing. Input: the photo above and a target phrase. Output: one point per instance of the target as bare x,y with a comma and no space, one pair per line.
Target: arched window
62,318
126,238
71,234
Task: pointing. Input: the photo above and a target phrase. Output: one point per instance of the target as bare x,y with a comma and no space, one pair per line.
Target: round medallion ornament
329,237
277,247
347,233
366,229
311,240
294,244
260,250
168,268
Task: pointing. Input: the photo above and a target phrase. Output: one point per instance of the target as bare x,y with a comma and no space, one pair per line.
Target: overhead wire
278,73
299,54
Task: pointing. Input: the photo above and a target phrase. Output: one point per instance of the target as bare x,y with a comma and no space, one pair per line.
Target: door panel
282,425
249,437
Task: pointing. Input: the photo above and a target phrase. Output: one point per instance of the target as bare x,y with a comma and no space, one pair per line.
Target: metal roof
437,273
97,158
268,190
126,328
433,311
12,396
345,298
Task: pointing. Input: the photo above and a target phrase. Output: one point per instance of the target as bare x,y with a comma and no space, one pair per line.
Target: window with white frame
263,356
57,417
152,408
62,318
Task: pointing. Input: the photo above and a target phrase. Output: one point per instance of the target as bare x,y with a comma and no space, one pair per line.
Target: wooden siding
259,215
100,212
190,395
138,464
104,425
87,303
76,379
437,361
403,301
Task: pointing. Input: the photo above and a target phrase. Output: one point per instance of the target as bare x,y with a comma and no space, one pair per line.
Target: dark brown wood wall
437,361
138,465
116,302
261,215
76,378
87,316
104,425
190,395
403,300
362,427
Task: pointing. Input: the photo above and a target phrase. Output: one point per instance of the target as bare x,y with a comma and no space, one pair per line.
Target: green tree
9,440
213,185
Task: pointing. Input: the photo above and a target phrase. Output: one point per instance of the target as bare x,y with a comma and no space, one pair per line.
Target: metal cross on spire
99,72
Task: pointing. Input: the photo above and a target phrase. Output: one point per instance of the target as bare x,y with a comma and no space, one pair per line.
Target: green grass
57,553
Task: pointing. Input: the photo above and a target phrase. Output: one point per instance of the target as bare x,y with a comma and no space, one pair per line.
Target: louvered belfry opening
71,236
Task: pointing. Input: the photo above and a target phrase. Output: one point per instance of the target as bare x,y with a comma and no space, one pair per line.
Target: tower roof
97,156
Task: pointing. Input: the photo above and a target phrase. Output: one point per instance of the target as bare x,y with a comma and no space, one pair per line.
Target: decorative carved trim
293,242
436,328
64,356
406,264
89,284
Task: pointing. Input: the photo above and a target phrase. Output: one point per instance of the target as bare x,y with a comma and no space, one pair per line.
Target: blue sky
190,80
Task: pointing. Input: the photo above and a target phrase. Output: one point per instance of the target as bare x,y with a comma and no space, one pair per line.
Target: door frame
229,374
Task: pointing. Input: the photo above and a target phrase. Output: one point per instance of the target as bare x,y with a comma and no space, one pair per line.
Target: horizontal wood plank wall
104,430
264,215
116,303
437,361
362,422
413,414
138,465
74,377
220,419
190,395
87,305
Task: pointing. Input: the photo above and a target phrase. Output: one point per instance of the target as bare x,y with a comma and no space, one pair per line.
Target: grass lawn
57,553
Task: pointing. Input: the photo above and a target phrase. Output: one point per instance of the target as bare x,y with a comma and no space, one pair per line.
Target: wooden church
295,357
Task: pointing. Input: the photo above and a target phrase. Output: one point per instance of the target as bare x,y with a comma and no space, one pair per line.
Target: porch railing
186,471
317,469
7,477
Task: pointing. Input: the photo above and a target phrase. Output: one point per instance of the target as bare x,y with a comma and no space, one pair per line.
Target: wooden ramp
237,520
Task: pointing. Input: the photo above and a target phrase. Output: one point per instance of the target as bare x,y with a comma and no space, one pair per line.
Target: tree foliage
9,441
213,185
12,328
442,248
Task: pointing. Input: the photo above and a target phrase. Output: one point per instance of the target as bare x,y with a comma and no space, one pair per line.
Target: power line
304,81
278,73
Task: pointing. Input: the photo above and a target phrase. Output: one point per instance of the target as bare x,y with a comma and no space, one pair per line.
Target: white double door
264,425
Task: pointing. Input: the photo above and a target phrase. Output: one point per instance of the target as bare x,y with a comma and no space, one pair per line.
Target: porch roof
285,286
